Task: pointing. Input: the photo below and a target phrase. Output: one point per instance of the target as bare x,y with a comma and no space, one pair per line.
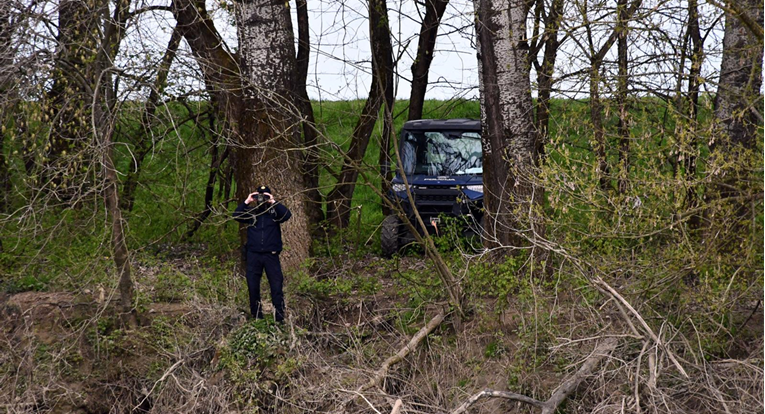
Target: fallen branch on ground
381,373
566,388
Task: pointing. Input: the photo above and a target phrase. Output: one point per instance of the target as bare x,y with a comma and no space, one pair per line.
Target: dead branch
497,394
566,388
397,407
571,383
403,352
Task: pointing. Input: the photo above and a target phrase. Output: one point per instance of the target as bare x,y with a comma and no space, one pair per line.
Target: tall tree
310,167
688,108
596,57
269,143
509,142
339,199
738,114
69,104
545,70
220,70
6,83
622,32
434,11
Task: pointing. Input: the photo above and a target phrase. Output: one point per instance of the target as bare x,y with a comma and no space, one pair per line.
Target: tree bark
68,102
509,142
219,67
738,92
268,147
103,121
339,199
738,116
434,11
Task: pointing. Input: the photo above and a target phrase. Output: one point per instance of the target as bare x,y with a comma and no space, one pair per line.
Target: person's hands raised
250,198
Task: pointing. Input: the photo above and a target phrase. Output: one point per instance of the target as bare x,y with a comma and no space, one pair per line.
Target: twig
642,321
164,376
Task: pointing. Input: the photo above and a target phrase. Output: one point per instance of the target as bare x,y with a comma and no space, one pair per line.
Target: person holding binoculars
263,216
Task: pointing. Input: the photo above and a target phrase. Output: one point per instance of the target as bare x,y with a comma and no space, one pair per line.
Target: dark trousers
256,263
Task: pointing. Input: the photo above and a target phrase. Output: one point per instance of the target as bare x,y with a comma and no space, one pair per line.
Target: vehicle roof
460,124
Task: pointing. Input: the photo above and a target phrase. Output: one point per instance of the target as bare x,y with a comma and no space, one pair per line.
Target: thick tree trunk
68,102
738,93
339,199
509,142
268,151
434,11
314,211
737,111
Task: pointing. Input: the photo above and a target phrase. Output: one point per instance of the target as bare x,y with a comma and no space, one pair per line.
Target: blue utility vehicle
442,161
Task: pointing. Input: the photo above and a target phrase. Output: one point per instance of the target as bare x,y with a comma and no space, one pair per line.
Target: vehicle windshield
441,153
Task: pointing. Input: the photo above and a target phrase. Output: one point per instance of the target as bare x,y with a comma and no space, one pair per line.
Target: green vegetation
351,308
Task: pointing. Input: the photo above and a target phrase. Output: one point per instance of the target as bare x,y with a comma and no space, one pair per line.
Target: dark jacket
264,233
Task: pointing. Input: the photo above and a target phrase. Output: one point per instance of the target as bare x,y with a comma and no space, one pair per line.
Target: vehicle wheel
389,235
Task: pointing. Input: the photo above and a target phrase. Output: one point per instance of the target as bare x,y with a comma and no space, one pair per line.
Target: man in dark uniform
263,217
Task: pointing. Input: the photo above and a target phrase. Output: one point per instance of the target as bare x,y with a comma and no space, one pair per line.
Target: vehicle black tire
389,235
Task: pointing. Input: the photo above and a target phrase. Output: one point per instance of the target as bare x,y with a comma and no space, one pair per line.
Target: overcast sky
340,52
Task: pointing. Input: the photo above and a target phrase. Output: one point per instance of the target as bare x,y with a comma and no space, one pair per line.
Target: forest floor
67,352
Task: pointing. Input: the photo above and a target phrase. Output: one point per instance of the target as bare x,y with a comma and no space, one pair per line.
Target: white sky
340,58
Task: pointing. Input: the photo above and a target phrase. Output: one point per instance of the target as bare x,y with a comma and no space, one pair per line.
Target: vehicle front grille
435,197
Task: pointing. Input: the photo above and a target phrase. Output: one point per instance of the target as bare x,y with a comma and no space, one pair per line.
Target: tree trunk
267,153
7,81
737,104
598,130
621,96
311,164
68,102
596,105
434,11
509,142
104,120
738,92
545,73
694,86
339,199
